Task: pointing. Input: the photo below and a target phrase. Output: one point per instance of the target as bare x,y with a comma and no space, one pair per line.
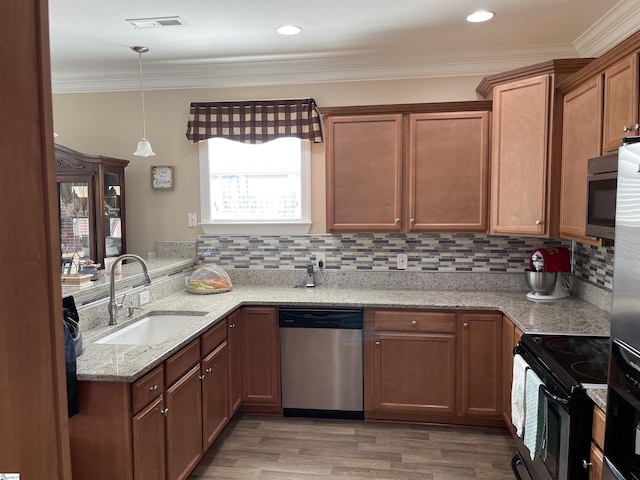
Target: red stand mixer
544,276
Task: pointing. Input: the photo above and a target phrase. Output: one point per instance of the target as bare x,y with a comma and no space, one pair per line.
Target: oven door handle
555,398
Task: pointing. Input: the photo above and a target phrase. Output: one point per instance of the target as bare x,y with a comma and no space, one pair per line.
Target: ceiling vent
156,22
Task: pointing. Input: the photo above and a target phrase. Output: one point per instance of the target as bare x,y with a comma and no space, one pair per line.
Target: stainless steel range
566,365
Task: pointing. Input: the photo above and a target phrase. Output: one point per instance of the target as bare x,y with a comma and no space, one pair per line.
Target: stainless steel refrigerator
622,438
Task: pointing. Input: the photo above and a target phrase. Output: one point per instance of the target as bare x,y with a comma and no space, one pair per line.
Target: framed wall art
162,177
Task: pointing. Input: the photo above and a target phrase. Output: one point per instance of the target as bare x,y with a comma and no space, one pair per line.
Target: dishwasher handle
320,318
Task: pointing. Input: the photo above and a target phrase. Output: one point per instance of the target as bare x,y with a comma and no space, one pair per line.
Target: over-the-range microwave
602,181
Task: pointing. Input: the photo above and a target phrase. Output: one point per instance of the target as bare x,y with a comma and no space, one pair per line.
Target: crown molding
367,66
619,23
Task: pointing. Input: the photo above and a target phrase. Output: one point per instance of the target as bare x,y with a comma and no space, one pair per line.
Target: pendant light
144,147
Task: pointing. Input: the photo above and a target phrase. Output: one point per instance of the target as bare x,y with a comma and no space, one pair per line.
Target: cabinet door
448,172
481,364
364,173
215,394
414,373
184,424
112,230
581,140
596,459
261,357
519,156
234,344
149,461
508,342
77,218
620,102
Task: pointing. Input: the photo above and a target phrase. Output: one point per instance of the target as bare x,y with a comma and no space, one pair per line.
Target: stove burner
576,345
591,369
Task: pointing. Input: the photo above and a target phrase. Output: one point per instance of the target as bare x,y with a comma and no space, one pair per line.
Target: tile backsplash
435,253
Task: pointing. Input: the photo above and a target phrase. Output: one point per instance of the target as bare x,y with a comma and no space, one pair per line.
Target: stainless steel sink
157,327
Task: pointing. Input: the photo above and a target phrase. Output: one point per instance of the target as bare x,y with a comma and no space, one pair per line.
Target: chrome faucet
114,307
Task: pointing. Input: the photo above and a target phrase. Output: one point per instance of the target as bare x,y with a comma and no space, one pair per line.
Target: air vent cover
156,22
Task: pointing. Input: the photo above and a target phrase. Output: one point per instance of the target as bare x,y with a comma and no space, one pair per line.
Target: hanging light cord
144,132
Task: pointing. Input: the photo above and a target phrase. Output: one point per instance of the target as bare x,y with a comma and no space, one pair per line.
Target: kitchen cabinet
510,338
526,147
596,458
159,426
364,173
234,345
581,140
420,366
480,375
620,117
260,361
91,205
448,159
396,168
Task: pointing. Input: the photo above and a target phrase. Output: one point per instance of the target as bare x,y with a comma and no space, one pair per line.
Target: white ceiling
233,42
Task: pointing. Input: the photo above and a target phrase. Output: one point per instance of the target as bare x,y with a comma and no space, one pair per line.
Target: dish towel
535,416
517,393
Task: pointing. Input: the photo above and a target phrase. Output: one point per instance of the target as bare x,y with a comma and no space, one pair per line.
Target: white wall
110,124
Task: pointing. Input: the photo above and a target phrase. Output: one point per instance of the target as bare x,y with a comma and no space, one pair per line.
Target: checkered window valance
255,121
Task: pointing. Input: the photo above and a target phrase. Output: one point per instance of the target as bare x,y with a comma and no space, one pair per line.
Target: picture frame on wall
162,177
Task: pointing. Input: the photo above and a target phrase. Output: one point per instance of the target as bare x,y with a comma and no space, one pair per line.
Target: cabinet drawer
213,337
182,361
598,427
146,389
411,321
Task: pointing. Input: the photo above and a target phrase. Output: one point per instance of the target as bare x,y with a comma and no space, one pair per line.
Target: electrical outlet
402,261
320,260
144,297
193,219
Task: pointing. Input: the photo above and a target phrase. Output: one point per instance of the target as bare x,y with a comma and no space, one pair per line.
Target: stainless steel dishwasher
321,362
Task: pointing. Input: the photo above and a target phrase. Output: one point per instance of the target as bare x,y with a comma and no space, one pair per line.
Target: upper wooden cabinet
526,147
581,140
620,102
448,172
91,203
364,173
399,168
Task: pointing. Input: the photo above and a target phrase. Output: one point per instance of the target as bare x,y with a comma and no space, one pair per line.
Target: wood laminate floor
277,448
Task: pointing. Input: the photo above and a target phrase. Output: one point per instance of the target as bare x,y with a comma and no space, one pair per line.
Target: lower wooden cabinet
149,461
234,344
215,394
433,366
510,338
480,349
260,360
596,457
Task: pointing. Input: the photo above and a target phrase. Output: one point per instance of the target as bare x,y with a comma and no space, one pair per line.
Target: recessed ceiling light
288,30
480,16
156,22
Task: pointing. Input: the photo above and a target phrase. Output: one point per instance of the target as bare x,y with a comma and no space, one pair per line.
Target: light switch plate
402,261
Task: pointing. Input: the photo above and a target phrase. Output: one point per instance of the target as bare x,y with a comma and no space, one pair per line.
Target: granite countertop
127,363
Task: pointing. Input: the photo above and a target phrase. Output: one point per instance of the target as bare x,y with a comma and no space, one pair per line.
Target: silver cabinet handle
636,127
201,377
208,370
538,222
397,220
413,220
165,412
626,129
154,388
377,344
586,464
465,324
414,323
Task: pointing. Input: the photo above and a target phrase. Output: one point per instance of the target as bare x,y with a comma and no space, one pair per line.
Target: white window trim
257,228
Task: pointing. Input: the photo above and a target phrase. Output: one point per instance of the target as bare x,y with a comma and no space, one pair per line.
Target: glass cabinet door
113,224
76,220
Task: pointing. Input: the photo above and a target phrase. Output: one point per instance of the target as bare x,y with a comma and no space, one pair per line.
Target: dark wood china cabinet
91,203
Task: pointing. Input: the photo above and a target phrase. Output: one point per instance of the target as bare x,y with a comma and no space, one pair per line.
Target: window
255,188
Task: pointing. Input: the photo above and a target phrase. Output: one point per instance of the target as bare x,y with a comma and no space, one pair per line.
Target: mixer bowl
540,282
